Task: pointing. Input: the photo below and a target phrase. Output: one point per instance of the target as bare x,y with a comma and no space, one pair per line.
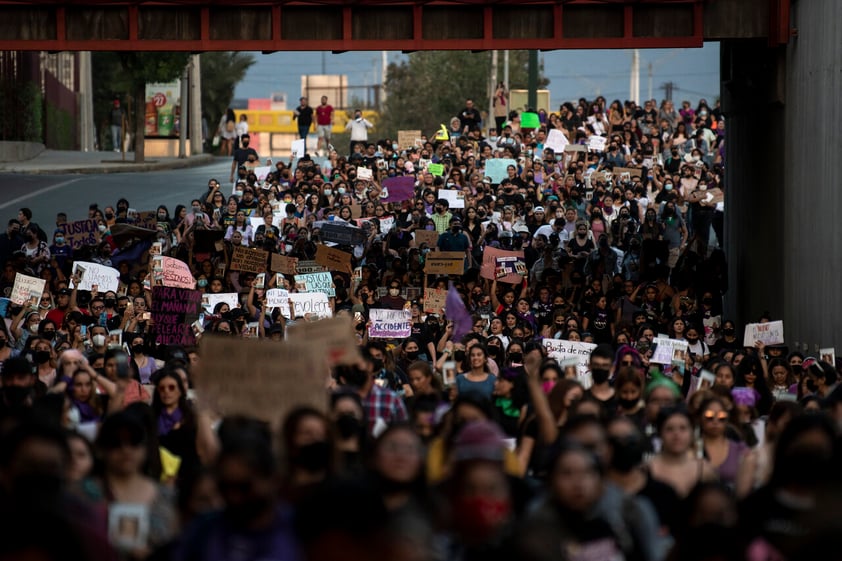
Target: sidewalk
60,162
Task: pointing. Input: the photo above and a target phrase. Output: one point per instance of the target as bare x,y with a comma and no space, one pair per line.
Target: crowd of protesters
730,452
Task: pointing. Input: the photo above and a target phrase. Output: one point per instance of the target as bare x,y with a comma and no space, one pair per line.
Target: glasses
97,307
718,416
168,388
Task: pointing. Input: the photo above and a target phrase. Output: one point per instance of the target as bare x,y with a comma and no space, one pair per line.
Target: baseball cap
479,440
538,209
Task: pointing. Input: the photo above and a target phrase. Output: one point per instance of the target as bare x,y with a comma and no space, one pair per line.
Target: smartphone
122,360
83,330
449,373
145,316
358,316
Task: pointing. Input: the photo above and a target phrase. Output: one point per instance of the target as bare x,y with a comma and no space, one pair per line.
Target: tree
221,72
429,88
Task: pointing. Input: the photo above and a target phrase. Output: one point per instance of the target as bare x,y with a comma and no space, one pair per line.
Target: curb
128,167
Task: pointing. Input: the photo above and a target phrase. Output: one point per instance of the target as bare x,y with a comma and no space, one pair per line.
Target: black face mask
600,375
110,302
41,357
459,355
137,349
708,301
353,376
378,364
627,403
109,215
313,457
516,357
729,331
626,453
348,426
692,340
413,355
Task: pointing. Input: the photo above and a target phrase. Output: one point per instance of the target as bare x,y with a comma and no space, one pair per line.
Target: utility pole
195,105
668,87
182,116
383,72
650,81
86,103
532,81
506,70
634,78
492,88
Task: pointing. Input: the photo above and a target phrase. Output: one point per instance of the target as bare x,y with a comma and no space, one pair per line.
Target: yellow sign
282,122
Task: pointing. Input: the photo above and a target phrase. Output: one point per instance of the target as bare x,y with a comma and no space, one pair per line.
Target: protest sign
828,355
529,120
495,168
505,266
770,333
147,219
80,233
173,310
597,143
334,337
277,298
454,197
445,263
283,264
436,169
105,278
316,282
262,171
297,148
490,256
343,234
398,188
25,287
429,237
210,300
626,174
306,304
257,390
556,140
434,299
364,174
177,273
563,350
389,323
123,234
305,267
333,259
386,224
668,349
406,139
249,260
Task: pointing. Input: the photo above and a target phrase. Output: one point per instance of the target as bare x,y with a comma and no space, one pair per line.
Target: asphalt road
47,195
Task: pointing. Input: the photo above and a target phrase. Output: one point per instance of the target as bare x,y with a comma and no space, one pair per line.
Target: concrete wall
812,251
13,151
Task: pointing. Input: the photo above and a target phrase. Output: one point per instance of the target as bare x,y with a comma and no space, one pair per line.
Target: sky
572,74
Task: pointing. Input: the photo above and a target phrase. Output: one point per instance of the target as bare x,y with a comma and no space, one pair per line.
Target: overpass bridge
781,71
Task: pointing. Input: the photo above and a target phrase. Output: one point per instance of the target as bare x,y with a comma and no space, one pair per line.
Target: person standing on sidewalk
304,114
324,122
359,129
117,115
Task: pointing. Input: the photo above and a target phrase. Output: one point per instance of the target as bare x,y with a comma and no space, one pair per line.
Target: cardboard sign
389,323
556,140
25,288
278,298
406,139
597,143
249,260
445,263
495,168
429,237
455,198
397,189
364,174
343,234
436,169
173,310
283,264
177,273
147,219
333,259
667,350
334,337
305,267
509,265
625,174
771,333
434,299
307,305
489,264
257,390
573,353
104,277
210,300
316,282
80,233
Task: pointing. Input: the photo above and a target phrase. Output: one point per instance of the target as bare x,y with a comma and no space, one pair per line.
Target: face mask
692,340
109,215
668,186
110,302
313,457
626,453
627,403
202,283
707,301
59,240
137,349
430,227
102,228
729,331
582,235
162,216
459,355
547,386
378,364
600,375
341,190
456,229
394,292
480,214
197,209
481,516
98,340
516,357
41,357
328,192
348,426
33,329
413,355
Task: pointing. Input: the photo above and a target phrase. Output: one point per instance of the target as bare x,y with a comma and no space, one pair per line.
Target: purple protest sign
400,188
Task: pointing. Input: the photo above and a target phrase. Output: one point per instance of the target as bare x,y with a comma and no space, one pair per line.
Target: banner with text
389,323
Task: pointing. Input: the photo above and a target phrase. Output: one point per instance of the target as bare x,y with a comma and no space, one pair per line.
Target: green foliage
221,72
430,88
62,134
143,68
32,108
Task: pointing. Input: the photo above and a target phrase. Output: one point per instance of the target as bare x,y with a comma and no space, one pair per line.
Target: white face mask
33,329
98,340
394,291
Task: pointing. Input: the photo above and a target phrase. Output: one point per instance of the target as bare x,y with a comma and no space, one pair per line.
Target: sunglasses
715,416
168,387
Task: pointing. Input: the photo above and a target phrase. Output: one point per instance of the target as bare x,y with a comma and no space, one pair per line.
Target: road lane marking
39,192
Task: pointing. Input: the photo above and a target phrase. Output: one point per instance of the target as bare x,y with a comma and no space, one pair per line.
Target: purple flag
457,313
400,188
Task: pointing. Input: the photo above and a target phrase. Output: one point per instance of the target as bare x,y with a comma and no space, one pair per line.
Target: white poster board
770,333
106,278
667,350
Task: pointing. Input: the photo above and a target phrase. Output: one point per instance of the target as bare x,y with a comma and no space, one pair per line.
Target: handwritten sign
80,233
283,264
436,169
597,143
429,237
249,260
364,174
556,140
333,337
434,299
495,168
261,172
278,298
454,197
177,273
397,189
316,282
173,310
210,300
576,352
315,304
333,259
445,263
106,278
406,139
297,148
343,234
258,391
489,264
25,288
389,323
771,333
667,350
147,219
